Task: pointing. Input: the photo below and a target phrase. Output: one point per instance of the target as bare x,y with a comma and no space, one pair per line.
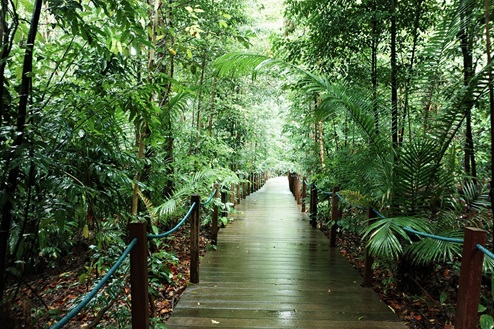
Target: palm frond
385,237
428,250
240,64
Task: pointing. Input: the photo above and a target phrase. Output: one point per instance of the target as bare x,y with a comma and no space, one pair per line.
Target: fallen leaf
214,322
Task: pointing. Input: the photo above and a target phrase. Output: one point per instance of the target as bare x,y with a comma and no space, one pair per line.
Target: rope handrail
433,236
486,252
95,290
210,198
162,235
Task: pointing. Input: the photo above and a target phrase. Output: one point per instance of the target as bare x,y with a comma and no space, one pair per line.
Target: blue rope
432,236
485,251
95,290
378,213
210,198
162,235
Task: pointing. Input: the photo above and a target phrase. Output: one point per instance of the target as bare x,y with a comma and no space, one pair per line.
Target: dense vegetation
113,111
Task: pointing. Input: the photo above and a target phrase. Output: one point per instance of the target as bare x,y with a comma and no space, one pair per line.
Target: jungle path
273,270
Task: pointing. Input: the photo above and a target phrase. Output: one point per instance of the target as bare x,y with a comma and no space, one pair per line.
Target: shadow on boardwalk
272,270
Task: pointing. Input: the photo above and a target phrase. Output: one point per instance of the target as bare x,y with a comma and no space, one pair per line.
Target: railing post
290,182
194,239
313,206
224,212
470,279
296,187
139,276
304,193
334,217
244,189
232,193
214,220
369,260
248,184
238,191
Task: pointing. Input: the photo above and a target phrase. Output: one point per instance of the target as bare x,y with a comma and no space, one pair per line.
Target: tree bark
491,101
10,189
466,45
394,79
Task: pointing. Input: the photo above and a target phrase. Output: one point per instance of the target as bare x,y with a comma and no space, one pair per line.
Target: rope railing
95,290
211,197
471,259
182,221
139,252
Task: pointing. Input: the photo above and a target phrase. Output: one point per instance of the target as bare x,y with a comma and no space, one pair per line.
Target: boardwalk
272,270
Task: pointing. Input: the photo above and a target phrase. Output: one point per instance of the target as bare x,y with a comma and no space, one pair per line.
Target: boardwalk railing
471,259
138,250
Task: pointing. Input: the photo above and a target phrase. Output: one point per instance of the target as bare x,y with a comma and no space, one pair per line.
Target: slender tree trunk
416,25
491,101
375,45
211,115
199,100
394,79
10,190
466,45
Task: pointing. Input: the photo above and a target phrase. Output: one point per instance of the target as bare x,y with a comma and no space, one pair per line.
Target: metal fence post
470,279
194,239
139,276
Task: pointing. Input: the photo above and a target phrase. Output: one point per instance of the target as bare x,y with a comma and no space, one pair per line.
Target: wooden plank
272,270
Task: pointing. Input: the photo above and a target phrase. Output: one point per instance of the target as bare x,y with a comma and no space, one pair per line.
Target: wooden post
244,189
139,276
296,188
334,217
214,220
237,186
224,212
369,260
313,207
194,239
467,316
232,194
304,193
290,182
248,184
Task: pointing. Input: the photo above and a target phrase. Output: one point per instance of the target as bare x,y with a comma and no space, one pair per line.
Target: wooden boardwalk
272,270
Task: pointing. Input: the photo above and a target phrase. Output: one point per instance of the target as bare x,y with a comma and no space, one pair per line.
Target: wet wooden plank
273,270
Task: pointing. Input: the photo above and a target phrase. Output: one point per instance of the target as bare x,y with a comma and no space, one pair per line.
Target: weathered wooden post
248,184
244,189
304,193
296,188
334,217
470,279
313,205
194,239
232,194
214,220
139,276
369,260
238,192
224,212
290,182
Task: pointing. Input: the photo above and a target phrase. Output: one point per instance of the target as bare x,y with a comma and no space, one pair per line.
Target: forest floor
422,301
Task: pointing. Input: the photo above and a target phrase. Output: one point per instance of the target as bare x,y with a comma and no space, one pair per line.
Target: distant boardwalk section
273,270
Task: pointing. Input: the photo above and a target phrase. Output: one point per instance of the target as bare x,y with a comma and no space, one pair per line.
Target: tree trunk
466,45
491,101
375,45
394,79
10,189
